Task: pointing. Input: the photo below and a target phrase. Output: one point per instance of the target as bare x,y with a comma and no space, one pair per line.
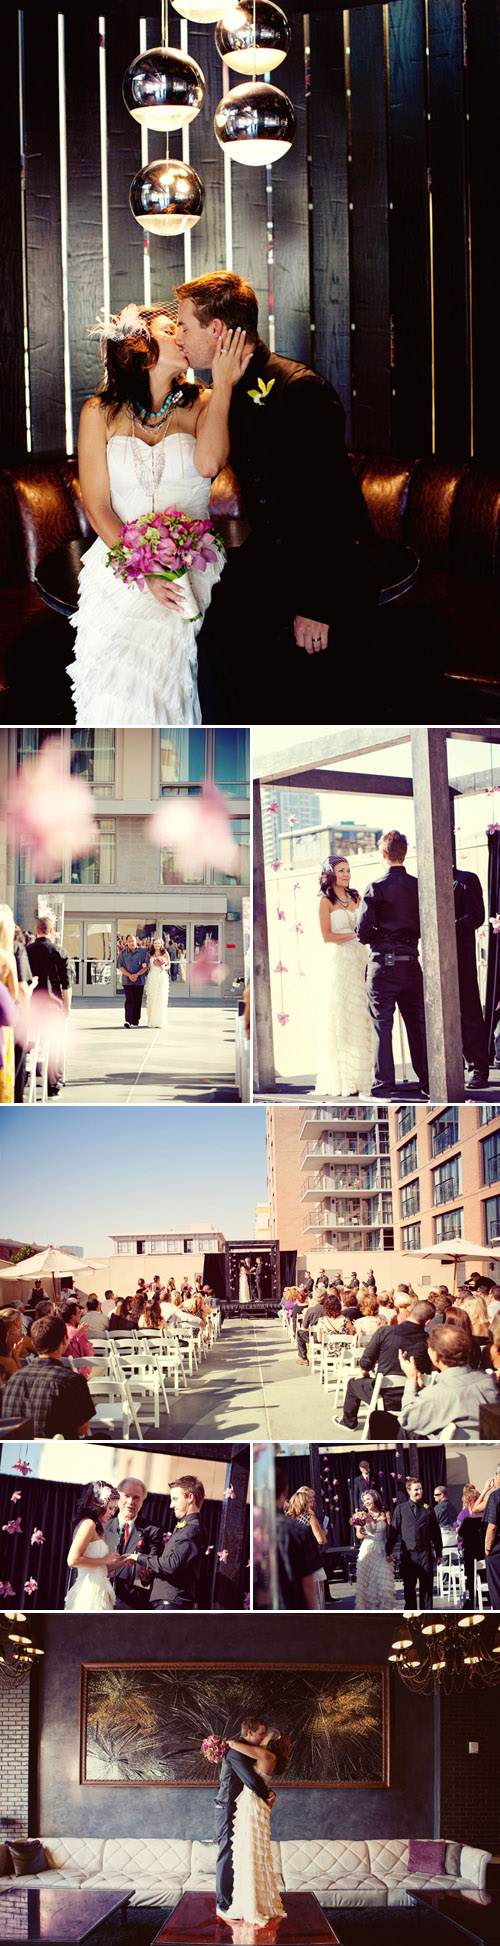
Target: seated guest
455,1398
383,1350
46,1390
476,1311
311,1314
335,1322
494,1351
150,1317
302,1299
446,1514
93,1320
368,1305
79,1345
289,1298
415,1525
350,1304
121,1318
296,1555
493,1302
15,1345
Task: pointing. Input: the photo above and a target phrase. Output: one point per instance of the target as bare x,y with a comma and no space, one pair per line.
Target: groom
236,1770
282,616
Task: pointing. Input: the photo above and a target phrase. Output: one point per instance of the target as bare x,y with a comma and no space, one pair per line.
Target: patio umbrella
458,1251
45,1263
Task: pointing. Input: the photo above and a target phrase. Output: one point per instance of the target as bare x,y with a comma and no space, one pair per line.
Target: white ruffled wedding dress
91,1591
345,1029
136,662
255,1892
375,1571
157,986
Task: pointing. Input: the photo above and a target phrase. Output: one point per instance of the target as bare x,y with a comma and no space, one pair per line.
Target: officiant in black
129,1534
469,915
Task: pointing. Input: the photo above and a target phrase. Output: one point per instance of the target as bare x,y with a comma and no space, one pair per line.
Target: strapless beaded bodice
165,473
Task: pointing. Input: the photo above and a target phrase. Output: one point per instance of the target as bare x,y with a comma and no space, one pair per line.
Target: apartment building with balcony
446,1175
329,1178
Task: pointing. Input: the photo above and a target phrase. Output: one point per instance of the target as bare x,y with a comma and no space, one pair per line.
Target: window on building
182,762
411,1236
190,1244
447,1181
449,1225
387,1209
173,873
405,1120
491,1219
444,1131
27,873
488,1115
408,1157
409,1199
93,757
383,1140
231,762
241,875
174,1246
99,867
207,1244
157,1246
385,1173
490,1159
125,1247
29,742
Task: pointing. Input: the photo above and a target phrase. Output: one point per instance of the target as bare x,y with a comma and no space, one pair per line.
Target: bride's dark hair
93,1499
280,1745
327,880
127,364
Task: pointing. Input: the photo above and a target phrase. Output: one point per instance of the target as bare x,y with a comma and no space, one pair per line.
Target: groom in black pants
236,1770
283,616
388,922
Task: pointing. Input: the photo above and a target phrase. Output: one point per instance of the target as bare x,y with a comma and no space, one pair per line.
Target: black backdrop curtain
389,1470
288,1268
214,1274
493,971
297,1468
49,1506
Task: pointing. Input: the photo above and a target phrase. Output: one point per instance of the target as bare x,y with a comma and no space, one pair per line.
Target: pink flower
275,867
223,1554
167,1537
229,1493
15,1496
7,1590
495,923
292,820
50,810
280,968
30,1586
197,830
21,1466
274,806
37,1537
281,915
57,1029
209,1550
12,1526
283,1018
207,969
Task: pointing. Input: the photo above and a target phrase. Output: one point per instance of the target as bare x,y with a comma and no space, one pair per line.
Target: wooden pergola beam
328,746
431,798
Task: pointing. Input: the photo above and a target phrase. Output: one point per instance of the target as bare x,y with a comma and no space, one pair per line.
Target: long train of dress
255,1892
345,1029
135,661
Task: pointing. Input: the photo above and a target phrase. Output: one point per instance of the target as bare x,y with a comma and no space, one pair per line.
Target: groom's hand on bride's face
311,636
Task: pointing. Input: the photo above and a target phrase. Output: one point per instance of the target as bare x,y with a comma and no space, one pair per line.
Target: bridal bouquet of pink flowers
214,1749
164,544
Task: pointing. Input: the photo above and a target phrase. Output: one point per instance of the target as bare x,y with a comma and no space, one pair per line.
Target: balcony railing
335,1115
446,1190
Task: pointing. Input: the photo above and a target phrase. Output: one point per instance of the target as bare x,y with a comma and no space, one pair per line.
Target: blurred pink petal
197,829
292,820
37,1537
44,1018
495,923
50,810
207,969
29,1586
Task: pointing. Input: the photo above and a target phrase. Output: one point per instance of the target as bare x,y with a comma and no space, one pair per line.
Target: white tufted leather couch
340,1871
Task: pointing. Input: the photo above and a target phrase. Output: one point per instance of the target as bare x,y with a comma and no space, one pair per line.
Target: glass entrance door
175,938
73,944
99,971
185,943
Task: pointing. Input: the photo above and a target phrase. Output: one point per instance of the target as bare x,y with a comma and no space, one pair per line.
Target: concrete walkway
251,1387
191,1061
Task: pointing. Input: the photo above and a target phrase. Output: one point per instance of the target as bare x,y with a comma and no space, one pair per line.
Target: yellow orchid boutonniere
259,397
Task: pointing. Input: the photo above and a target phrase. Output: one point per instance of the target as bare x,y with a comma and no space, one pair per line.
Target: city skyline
94,1168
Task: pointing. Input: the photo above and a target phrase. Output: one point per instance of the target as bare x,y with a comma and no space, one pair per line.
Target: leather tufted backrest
431,499
226,508
475,527
48,507
384,484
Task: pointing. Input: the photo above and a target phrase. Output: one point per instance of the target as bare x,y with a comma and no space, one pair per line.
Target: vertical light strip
143,41
431,229
188,259
270,256
228,193
346,29
310,193
469,224
26,342
63,180
103,111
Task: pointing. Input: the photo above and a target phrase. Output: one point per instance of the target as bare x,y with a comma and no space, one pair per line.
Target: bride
148,441
255,1893
88,1552
346,1066
374,1572
157,985
244,1291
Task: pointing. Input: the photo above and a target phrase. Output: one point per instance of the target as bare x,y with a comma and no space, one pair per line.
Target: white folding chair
481,1585
315,1352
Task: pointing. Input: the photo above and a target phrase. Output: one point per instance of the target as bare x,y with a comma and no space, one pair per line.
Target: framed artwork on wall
144,1723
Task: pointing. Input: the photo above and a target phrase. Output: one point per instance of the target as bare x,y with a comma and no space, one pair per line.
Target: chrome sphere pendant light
255,123
253,40
163,88
199,10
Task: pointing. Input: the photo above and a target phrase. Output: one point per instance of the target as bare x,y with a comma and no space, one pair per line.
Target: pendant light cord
164,42
255,40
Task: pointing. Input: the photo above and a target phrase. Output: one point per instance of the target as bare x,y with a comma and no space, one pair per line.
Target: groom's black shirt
302,500
388,918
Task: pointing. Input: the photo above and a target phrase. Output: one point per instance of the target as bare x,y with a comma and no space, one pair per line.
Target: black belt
390,956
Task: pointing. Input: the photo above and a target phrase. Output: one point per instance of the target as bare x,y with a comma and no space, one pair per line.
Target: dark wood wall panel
249,220
85,274
43,233
330,205
126,239
12,410
166,254
483,23
449,200
409,231
290,214
209,235
369,236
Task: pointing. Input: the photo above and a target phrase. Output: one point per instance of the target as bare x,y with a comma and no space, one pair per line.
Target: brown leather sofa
449,514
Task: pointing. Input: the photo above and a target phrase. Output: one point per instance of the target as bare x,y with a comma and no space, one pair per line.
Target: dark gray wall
66,1807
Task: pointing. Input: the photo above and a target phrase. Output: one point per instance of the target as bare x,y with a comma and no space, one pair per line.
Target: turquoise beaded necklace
174,397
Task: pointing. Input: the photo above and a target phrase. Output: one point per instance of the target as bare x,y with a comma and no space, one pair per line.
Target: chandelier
445,1653
18,1651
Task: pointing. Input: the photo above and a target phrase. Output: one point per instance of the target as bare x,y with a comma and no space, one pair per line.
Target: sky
467,756
71,1176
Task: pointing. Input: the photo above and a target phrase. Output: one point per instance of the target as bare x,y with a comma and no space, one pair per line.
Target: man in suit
288,602
128,1534
363,1483
173,1566
261,1280
235,1771
382,1353
415,1525
50,965
469,915
388,921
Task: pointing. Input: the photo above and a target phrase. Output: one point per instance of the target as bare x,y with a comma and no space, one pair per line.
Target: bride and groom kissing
298,581
246,1888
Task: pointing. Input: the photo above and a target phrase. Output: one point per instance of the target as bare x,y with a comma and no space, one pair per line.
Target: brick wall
470,1805
14,1757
